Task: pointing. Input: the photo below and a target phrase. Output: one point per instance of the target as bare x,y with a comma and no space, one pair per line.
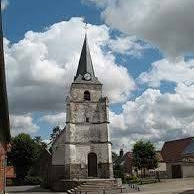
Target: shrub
30,180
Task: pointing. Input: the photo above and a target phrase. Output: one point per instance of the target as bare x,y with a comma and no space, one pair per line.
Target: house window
86,95
87,120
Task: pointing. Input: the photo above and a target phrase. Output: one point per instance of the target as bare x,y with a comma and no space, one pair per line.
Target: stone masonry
83,149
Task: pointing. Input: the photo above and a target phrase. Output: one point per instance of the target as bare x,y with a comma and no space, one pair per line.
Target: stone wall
77,92
87,131
58,150
57,172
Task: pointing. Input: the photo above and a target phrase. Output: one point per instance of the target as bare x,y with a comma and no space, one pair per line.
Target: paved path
179,186
169,186
29,190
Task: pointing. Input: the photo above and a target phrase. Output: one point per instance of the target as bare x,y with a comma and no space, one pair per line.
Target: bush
131,177
30,180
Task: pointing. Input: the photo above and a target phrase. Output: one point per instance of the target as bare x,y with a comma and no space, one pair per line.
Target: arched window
86,95
87,120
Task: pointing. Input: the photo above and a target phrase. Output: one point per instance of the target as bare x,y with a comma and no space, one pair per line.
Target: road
178,186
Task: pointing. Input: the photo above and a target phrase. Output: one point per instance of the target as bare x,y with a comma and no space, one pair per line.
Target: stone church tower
83,150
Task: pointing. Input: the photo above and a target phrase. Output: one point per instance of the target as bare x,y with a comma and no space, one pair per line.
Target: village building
124,163
82,151
4,116
179,158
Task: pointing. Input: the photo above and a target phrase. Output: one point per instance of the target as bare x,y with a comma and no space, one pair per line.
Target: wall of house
188,170
161,167
169,168
2,168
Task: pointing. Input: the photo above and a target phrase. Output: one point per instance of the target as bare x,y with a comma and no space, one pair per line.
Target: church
83,149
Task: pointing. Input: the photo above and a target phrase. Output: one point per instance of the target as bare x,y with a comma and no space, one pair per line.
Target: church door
92,165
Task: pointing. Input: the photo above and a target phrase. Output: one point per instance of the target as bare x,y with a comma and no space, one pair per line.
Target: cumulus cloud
41,67
22,124
55,119
4,4
155,116
128,46
167,24
164,70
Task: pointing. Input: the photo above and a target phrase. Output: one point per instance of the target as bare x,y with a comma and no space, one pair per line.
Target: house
124,162
188,160
4,116
179,157
161,166
10,175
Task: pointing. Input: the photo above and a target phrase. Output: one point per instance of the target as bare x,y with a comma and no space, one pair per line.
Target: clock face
87,76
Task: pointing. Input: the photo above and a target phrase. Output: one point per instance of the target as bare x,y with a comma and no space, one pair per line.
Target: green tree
114,156
144,156
24,154
56,131
40,146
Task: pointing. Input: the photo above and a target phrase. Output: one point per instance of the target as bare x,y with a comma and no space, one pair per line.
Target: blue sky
152,97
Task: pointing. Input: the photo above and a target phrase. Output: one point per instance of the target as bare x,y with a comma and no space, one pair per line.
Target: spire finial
86,27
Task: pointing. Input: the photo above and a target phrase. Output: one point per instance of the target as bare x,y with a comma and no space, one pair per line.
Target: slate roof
4,113
121,159
85,62
172,150
189,149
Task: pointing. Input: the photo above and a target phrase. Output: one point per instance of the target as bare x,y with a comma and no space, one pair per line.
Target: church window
87,120
86,95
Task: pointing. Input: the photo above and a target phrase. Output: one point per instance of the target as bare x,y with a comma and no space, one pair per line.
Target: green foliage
131,177
144,155
24,155
114,156
56,131
118,172
32,180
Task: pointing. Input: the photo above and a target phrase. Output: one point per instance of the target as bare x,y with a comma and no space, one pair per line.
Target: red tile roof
172,150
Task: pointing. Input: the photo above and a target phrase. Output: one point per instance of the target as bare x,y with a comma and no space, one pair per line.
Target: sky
142,52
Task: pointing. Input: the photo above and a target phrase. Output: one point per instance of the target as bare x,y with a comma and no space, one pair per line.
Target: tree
144,156
114,156
40,146
56,131
24,154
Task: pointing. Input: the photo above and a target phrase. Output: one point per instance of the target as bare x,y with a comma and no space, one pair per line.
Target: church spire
85,63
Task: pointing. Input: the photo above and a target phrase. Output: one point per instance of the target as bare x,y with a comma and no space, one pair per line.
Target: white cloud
22,124
55,119
155,116
128,46
4,4
167,24
164,70
42,65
